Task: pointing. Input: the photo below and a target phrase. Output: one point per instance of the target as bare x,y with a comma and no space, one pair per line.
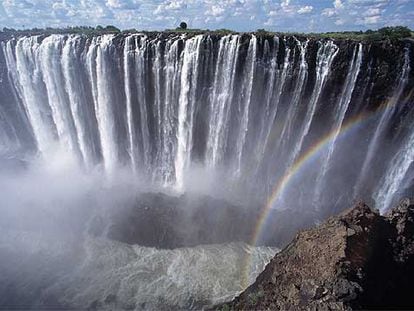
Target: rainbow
308,157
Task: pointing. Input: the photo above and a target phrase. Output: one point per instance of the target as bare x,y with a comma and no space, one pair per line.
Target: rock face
357,260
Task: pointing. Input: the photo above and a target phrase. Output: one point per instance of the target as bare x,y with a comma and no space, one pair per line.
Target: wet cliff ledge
357,260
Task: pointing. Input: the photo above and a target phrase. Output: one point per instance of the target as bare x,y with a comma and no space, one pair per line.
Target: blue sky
241,15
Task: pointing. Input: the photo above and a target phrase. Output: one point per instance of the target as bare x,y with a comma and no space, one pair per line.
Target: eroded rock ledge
356,260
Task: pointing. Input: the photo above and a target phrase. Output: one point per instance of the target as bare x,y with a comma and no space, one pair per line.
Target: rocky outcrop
356,260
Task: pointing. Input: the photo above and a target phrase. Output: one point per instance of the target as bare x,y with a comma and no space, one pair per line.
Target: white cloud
338,4
339,22
175,5
329,12
243,15
372,11
215,10
285,3
369,20
305,9
114,3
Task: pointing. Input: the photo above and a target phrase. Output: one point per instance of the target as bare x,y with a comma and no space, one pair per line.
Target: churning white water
111,275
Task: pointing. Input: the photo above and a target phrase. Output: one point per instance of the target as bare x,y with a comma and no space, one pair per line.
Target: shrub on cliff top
396,32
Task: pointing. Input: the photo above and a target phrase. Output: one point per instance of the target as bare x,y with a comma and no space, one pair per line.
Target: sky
239,15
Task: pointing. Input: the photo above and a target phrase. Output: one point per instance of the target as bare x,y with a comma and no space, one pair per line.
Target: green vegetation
385,33
86,30
181,30
395,32
224,31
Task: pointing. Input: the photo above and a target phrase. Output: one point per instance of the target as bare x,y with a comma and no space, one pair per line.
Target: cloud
305,9
339,22
338,4
361,14
242,15
20,4
285,3
372,11
369,20
215,10
329,12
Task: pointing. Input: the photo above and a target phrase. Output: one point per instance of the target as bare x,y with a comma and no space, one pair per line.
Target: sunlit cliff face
217,129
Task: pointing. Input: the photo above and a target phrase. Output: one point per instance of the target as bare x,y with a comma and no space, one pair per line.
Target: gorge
271,132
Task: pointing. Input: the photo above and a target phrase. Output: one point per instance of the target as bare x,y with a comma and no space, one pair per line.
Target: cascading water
385,120
395,174
293,106
272,105
237,117
340,112
189,100
325,56
222,98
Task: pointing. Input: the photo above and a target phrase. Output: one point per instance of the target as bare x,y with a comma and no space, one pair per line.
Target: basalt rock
356,260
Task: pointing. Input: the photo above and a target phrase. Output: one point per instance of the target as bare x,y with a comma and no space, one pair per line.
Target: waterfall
239,107
172,87
49,56
132,147
140,73
189,76
340,111
400,164
29,85
384,122
325,56
222,97
394,176
76,98
246,95
272,73
100,78
272,104
297,94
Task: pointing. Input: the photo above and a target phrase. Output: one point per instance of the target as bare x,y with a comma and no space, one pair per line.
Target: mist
54,227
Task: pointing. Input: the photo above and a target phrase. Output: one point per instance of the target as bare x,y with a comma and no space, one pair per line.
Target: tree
395,32
183,25
112,28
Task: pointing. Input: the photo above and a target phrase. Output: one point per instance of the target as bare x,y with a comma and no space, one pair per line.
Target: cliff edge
356,260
